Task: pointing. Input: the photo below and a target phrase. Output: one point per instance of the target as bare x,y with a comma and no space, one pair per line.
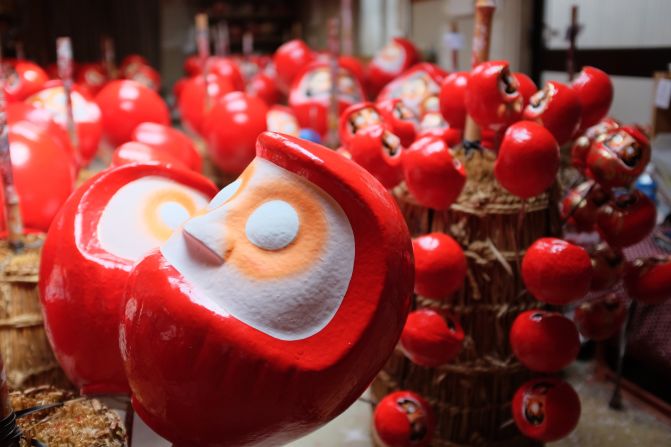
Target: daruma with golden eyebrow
105,226
266,316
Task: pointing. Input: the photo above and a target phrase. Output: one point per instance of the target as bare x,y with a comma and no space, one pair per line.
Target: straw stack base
472,395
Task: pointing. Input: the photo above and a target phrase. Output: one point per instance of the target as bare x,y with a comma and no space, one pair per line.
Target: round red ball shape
400,119
556,272
527,87
430,340
546,409
627,219
192,101
289,59
602,318
607,267
528,160
135,152
440,265
124,105
403,419
231,129
24,79
618,157
649,280
433,176
452,94
170,141
378,151
595,91
557,108
264,87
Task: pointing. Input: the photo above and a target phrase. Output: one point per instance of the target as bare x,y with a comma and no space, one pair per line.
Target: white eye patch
273,225
225,194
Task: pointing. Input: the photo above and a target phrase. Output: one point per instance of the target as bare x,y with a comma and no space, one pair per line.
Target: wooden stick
12,209
484,11
10,434
107,47
454,52
203,44
221,39
334,53
346,18
572,34
64,61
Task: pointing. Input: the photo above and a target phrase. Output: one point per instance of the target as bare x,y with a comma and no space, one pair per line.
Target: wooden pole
9,432
12,209
572,34
454,52
107,47
64,61
203,45
334,53
221,39
346,18
484,11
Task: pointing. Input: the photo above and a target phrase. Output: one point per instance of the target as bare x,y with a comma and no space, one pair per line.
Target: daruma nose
205,238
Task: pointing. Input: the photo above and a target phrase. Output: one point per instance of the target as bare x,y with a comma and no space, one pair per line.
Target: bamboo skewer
334,53
64,61
203,44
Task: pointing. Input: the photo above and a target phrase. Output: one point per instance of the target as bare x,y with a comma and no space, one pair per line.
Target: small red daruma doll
546,409
556,272
440,265
544,341
282,119
595,91
557,108
403,419
311,93
431,340
582,203
626,219
649,280
357,117
617,159
289,59
452,94
101,231
601,318
393,59
170,142
402,121
414,86
23,79
259,307
378,151
607,266
528,160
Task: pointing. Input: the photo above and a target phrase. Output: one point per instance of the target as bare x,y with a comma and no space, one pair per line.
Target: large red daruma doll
393,59
311,92
268,315
415,87
102,230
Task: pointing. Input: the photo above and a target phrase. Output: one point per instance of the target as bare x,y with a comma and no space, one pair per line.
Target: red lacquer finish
431,340
582,203
130,64
433,176
147,76
601,318
211,365
228,69
192,66
582,144
528,160
23,79
418,88
557,108
546,409
265,87
526,86
86,114
452,99
627,219
607,266
649,280
595,91
618,157
289,60
169,141
195,98
396,57
492,97
231,129
378,151
403,419
135,152
402,121
440,265
81,284
357,117
544,341
126,104
92,76
556,272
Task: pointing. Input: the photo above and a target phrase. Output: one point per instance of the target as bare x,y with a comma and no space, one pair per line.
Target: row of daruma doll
214,306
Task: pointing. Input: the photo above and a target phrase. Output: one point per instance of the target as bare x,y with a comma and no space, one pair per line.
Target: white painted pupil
225,194
173,214
273,225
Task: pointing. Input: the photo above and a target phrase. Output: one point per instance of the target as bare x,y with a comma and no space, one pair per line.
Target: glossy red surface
231,129
187,385
557,108
289,59
228,69
546,409
92,76
402,121
135,152
649,280
264,87
581,205
170,141
602,318
440,265
130,64
146,76
433,176
627,219
416,86
378,151
492,97
607,267
528,160
357,117
618,157
193,100
355,66
81,285
124,105
544,341
556,272
403,419
526,86
395,58
44,175
595,91
452,99
24,79
431,340
192,66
